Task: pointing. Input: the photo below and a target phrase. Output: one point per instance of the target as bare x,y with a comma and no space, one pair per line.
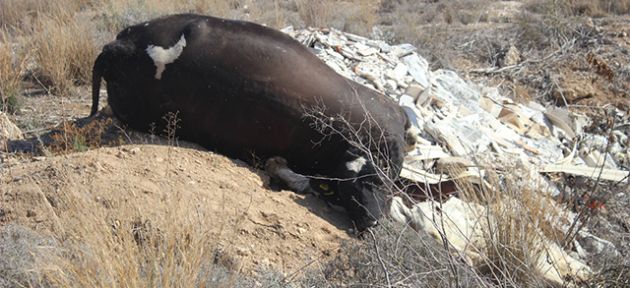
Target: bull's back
237,87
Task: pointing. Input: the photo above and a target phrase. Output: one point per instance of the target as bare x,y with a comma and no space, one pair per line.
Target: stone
8,131
418,69
512,57
414,90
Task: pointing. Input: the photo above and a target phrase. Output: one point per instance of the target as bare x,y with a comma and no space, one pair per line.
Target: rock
8,130
364,50
414,90
418,69
402,50
512,57
570,91
465,226
370,72
596,247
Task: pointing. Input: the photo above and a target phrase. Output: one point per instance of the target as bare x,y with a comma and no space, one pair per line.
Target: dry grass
316,13
118,14
394,255
113,243
101,249
519,220
354,16
129,251
593,8
12,68
63,59
22,15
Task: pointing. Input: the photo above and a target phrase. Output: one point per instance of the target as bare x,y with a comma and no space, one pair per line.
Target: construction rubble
463,123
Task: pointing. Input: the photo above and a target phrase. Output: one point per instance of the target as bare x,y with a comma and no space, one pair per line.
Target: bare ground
254,227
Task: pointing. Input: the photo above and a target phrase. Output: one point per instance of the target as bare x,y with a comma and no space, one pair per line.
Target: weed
12,67
63,59
397,256
20,249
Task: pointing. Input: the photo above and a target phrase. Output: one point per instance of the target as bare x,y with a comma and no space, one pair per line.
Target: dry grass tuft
316,13
64,49
394,255
12,67
598,8
113,243
519,220
22,15
118,14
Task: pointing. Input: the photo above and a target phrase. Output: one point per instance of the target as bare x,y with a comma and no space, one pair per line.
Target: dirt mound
164,187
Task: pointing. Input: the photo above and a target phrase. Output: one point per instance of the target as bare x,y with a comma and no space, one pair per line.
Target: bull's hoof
363,231
274,164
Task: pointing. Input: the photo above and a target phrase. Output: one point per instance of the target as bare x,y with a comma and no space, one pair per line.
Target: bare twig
380,259
497,70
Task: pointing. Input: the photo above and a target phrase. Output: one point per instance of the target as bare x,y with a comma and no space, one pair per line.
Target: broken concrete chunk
370,72
349,53
447,164
596,247
402,50
364,50
414,91
426,151
418,68
562,119
453,89
464,226
591,172
354,37
445,134
490,106
594,158
330,39
288,30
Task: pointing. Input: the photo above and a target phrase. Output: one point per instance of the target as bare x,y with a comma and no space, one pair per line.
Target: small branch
380,259
496,70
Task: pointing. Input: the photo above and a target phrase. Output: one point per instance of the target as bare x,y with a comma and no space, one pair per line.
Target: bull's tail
97,74
114,51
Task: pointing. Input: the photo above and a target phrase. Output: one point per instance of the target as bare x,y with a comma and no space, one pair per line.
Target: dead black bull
242,89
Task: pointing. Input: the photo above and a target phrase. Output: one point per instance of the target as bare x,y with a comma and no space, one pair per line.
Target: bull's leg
278,169
326,189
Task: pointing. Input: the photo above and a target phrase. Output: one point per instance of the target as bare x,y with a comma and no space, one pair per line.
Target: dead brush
599,8
519,218
22,15
316,13
72,137
102,248
64,58
600,66
394,255
118,14
12,68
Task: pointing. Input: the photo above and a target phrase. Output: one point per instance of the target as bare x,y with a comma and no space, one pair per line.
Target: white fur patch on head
356,165
162,56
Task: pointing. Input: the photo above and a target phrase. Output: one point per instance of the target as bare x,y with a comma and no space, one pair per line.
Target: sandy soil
255,226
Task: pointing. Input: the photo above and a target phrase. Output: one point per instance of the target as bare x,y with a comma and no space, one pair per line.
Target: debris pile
455,117
464,123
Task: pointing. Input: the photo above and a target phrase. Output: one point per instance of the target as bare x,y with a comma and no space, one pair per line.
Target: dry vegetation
52,44
12,66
